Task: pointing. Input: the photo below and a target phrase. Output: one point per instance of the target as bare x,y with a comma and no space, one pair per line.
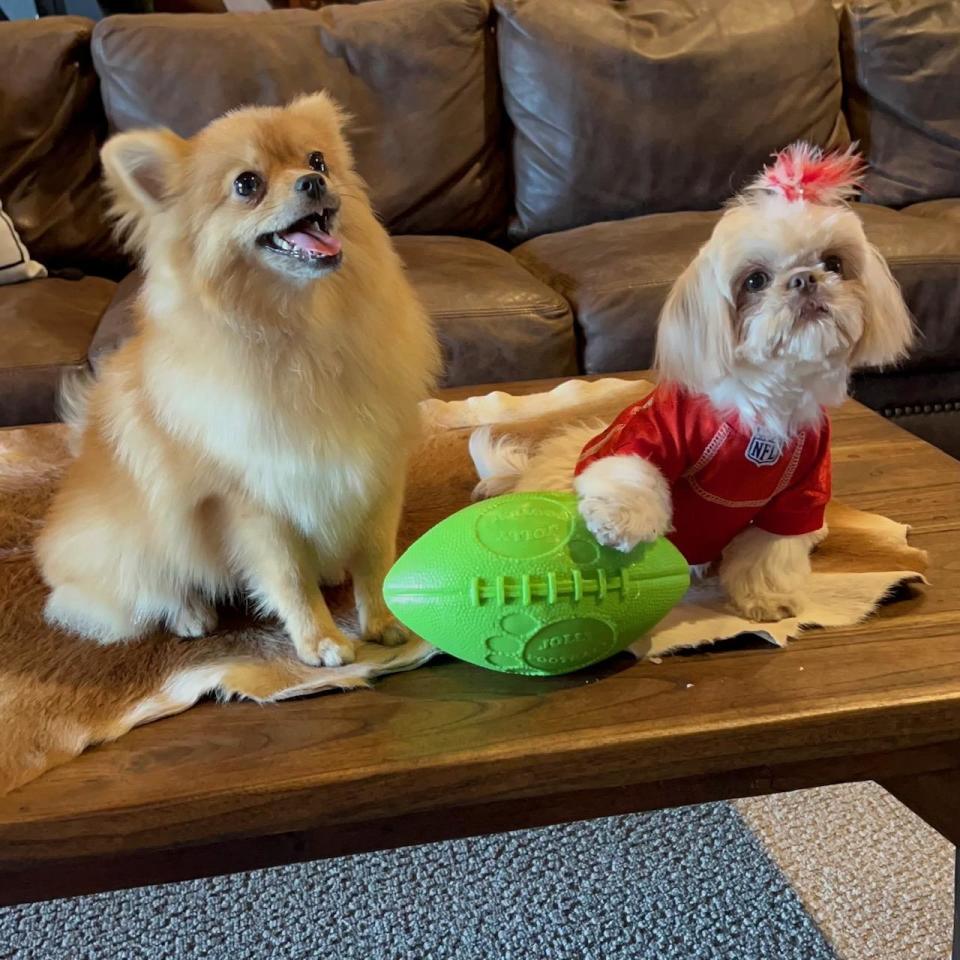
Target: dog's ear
888,329
695,336
321,106
139,167
330,121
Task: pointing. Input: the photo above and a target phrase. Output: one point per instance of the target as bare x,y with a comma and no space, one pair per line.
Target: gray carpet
689,884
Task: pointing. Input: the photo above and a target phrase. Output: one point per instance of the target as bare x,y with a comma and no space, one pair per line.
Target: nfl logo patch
763,451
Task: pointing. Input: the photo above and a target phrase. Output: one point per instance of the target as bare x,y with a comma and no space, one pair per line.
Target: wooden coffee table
451,750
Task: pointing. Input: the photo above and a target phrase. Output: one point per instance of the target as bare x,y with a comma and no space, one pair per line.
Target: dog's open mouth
308,240
813,310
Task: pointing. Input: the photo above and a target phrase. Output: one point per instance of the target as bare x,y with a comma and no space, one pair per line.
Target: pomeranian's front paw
623,526
327,648
196,618
387,631
766,607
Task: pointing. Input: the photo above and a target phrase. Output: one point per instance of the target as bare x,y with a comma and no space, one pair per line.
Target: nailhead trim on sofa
908,410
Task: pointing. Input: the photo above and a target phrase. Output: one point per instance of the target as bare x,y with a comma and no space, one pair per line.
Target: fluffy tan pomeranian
253,436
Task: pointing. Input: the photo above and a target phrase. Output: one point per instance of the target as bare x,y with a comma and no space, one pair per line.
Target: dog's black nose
312,184
803,281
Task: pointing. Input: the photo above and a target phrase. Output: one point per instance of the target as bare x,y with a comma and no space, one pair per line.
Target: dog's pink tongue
316,241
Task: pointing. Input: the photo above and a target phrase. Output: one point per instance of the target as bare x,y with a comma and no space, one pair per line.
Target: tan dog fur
252,437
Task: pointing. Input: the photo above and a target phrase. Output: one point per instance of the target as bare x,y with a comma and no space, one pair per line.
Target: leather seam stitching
557,312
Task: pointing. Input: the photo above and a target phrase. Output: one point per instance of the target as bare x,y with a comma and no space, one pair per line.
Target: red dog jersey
722,475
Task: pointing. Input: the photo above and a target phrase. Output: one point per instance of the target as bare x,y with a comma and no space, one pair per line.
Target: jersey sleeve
801,507
652,429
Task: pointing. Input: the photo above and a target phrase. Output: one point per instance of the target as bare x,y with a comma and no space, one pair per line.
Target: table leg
955,955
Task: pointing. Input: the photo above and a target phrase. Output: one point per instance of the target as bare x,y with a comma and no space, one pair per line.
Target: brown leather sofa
547,169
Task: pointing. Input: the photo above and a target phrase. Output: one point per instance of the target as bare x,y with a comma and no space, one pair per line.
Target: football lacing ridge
595,584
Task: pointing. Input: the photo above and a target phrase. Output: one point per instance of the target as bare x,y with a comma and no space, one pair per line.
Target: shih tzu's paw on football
623,525
624,501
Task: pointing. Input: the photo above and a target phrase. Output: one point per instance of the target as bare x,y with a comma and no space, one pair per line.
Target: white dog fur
747,352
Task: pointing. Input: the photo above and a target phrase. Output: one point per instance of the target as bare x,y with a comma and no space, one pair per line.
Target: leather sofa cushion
624,107
617,276
418,76
495,321
901,64
47,327
50,123
924,256
949,209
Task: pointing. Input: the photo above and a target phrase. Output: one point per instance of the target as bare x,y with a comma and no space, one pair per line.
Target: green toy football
519,584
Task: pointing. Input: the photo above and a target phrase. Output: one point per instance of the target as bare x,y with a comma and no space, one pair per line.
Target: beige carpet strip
874,877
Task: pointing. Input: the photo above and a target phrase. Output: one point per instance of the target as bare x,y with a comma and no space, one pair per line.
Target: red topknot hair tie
805,172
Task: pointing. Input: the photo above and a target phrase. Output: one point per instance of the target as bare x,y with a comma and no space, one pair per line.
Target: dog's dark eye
834,264
317,162
247,183
757,281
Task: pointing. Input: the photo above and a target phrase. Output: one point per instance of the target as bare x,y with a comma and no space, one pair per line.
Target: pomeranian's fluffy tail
499,463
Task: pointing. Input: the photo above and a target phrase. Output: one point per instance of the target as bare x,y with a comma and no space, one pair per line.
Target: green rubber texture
518,584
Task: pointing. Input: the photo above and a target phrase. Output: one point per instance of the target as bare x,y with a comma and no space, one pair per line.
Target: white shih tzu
730,456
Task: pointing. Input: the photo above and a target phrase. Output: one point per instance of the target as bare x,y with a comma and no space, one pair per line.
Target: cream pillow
15,262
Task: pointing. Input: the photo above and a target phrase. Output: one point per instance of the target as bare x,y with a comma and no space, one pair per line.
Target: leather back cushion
902,74
626,107
419,77
50,125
